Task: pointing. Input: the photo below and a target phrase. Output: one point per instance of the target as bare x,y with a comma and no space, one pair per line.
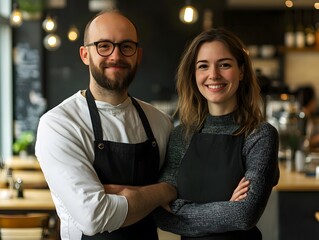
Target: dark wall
256,26
162,37
259,26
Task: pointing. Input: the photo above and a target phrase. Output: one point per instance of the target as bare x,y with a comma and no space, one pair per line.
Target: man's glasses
105,48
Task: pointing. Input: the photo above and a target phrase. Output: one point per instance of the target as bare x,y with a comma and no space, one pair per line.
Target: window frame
6,93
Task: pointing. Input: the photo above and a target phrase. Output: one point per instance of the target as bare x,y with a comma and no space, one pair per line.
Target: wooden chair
27,226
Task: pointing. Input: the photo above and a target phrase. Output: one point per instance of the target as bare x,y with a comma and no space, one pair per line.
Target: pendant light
188,14
49,24
73,33
52,42
16,19
289,3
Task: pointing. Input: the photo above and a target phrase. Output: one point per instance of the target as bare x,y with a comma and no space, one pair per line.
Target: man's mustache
115,64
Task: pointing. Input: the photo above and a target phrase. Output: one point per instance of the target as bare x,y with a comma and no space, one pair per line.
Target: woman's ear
84,54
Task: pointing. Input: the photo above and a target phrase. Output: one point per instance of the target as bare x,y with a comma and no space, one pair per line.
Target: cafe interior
40,67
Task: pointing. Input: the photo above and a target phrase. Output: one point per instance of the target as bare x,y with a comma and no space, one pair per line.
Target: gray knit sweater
260,158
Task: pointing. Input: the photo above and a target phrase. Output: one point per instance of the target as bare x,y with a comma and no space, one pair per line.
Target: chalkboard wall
28,77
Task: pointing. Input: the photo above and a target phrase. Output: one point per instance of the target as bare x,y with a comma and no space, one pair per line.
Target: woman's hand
241,191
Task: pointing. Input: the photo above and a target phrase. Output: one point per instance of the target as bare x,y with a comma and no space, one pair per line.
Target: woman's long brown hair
192,107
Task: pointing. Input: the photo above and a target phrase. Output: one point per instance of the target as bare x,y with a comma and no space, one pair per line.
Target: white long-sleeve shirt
65,150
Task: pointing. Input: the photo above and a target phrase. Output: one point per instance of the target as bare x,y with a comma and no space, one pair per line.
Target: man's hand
116,189
142,200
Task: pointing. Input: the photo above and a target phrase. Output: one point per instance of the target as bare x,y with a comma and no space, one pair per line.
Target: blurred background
40,67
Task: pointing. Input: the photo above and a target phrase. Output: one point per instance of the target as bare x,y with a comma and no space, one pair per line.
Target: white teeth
215,86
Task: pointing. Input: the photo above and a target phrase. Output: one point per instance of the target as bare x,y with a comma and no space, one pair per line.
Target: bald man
101,149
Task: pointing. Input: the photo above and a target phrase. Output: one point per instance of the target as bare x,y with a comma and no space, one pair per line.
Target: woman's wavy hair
192,107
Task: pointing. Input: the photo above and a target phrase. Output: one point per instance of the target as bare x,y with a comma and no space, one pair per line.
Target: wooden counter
294,181
294,202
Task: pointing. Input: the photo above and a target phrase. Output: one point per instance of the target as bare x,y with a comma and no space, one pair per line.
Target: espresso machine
283,112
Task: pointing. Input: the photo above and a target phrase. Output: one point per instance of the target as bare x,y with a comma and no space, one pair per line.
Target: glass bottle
289,37
310,36
317,35
10,183
300,36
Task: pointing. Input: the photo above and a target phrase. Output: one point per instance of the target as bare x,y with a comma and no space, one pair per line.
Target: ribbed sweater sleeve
260,157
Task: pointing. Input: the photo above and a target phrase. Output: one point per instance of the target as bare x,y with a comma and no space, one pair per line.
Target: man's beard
119,84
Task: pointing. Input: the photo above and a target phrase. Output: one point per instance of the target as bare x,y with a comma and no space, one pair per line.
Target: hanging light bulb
188,14
52,42
16,16
49,24
73,34
289,3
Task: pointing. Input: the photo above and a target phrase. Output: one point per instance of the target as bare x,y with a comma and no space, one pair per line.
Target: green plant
22,143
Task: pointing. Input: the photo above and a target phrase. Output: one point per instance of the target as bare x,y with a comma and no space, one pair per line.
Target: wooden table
34,199
31,179
17,163
28,169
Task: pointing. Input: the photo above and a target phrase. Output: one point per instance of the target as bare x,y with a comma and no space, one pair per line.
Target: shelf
305,49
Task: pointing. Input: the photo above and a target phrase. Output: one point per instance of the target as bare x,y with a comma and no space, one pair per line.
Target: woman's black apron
210,171
125,164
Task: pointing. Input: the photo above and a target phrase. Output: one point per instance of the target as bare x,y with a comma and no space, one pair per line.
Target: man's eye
127,46
104,45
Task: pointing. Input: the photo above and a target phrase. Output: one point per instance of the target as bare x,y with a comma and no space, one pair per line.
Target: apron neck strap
95,116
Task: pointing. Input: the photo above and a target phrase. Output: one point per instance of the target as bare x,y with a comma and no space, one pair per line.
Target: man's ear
139,55
84,54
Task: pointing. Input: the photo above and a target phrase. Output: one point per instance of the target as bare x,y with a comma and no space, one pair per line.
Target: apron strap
97,126
143,117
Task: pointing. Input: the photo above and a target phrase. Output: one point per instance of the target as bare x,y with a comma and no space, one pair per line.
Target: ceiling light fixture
73,34
52,42
188,14
289,3
16,16
49,24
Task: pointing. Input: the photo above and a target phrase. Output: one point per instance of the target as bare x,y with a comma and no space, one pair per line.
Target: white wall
302,67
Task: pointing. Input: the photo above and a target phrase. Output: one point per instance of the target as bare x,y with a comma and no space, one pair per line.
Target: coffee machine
283,112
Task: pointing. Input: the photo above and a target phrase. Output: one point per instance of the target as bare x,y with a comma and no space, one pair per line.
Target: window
5,81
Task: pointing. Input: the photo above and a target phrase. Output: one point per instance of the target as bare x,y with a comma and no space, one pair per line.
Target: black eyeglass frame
114,45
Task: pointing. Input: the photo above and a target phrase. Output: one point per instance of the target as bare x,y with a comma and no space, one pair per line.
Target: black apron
210,171
125,164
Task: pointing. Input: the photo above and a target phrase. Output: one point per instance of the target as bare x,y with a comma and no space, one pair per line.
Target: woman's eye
202,66
224,65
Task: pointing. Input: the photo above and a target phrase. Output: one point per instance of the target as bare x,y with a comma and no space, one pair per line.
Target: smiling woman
220,120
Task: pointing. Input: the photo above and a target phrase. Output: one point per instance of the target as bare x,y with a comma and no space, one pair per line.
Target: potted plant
23,143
